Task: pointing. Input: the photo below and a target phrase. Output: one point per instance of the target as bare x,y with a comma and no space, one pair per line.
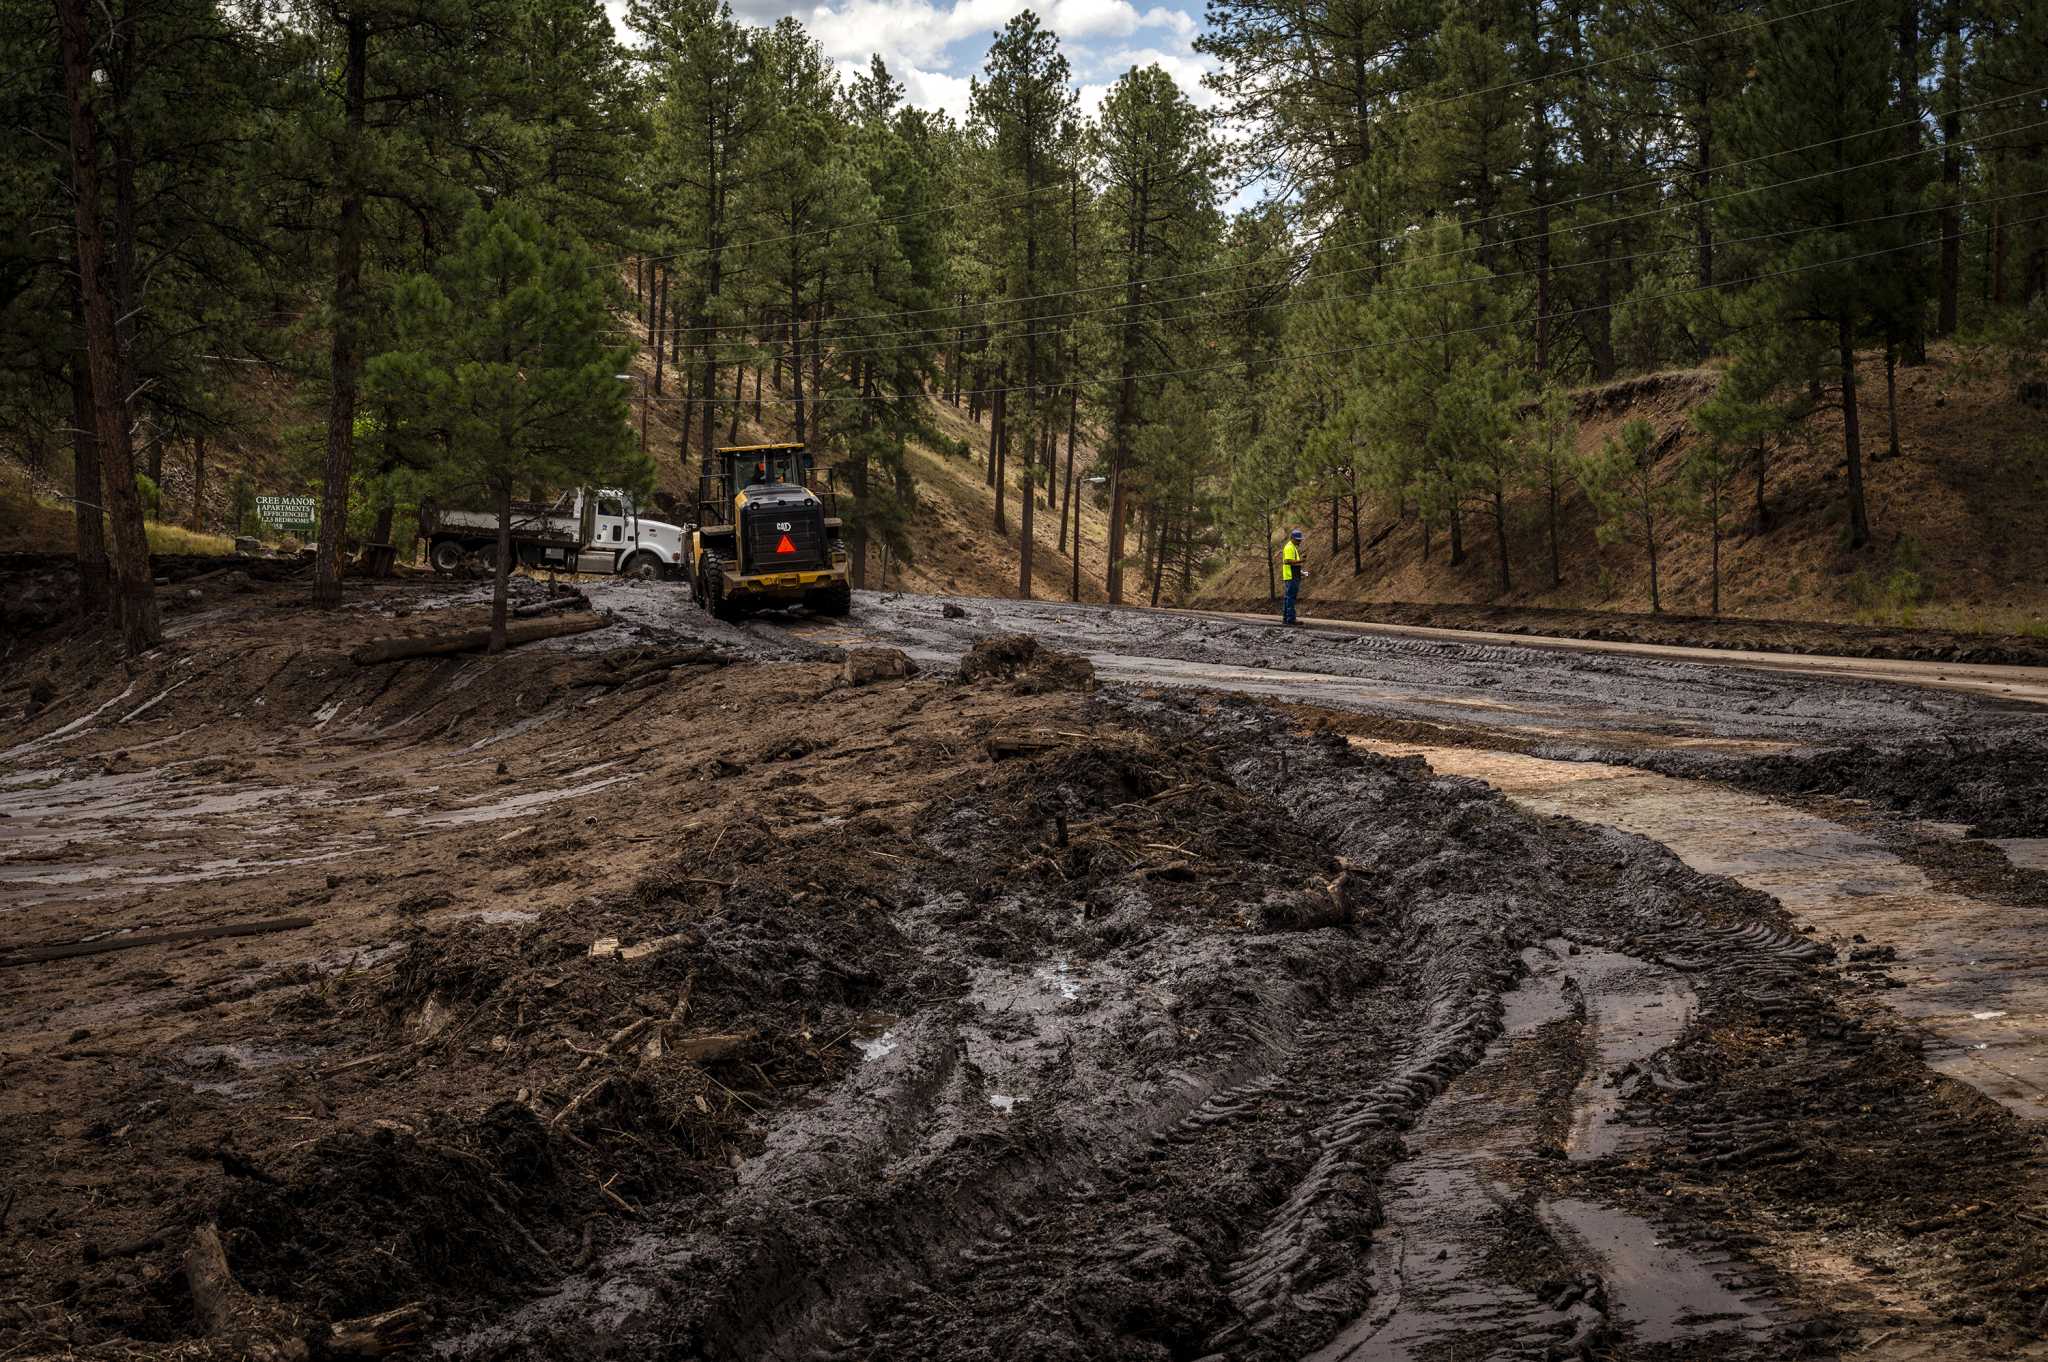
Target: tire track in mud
1138,1194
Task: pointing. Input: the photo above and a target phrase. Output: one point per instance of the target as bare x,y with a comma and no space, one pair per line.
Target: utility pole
642,381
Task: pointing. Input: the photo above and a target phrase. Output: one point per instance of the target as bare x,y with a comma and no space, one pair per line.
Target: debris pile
1030,667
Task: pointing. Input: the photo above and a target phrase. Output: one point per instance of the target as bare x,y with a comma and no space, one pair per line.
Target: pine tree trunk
1457,536
818,358
502,570
1852,437
1891,400
1073,429
1763,511
95,592
999,448
1073,508
1159,556
380,531
1272,580
654,337
134,591
1602,342
196,519
689,418
1717,556
1500,536
1556,558
1650,545
1357,549
345,356
1027,498
1334,503
739,400
1702,182
796,369
1997,252
1113,569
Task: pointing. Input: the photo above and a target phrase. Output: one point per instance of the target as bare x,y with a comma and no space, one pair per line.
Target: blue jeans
1287,603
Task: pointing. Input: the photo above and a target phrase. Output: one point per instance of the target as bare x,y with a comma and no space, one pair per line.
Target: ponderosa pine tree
1429,407
1023,100
503,361
1824,83
1157,164
1632,500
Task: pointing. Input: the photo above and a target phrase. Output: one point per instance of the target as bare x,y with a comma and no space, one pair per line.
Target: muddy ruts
1302,1271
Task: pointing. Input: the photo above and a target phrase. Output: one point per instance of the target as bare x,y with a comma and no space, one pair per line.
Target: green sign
288,513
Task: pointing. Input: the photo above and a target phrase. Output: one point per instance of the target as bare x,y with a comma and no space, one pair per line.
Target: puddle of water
1431,1289
1059,980
881,1047
1434,1292
1957,956
1633,1010
247,1061
1660,1289
1002,1102
2028,853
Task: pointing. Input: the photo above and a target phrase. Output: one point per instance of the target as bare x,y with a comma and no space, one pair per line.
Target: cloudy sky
935,46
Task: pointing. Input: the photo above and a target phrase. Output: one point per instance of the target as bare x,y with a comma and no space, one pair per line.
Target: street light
642,381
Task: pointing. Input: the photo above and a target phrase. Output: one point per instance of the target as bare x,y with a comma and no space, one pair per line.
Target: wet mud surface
666,995
1800,637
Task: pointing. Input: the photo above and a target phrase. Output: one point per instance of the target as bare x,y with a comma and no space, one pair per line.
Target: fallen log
472,640
552,604
65,950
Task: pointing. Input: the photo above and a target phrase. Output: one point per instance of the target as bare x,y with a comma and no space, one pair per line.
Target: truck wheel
446,555
643,567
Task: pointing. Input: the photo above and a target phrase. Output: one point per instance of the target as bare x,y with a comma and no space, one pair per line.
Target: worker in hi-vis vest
1290,573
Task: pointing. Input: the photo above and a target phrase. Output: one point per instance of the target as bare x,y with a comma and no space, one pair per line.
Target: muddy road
1315,994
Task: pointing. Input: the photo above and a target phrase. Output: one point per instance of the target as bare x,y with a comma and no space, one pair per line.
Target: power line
1298,251
932,333
1384,290
1283,360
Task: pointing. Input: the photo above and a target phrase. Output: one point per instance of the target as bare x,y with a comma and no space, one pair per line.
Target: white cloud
1187,67
935,47
934,90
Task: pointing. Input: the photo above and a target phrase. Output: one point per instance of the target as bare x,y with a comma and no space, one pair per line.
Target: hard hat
1294,534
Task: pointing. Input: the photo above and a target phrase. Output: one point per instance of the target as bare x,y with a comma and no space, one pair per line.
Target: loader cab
743,469
766,535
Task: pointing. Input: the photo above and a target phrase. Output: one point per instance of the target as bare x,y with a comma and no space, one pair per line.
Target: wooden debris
66,950
549,606
1020,746
472,640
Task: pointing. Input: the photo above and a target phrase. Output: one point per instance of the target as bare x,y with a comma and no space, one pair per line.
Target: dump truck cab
766,537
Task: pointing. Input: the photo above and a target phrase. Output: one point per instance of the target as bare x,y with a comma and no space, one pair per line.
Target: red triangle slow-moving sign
786,546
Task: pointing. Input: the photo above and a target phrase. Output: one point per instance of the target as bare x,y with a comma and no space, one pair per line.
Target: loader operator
760,473
1290,573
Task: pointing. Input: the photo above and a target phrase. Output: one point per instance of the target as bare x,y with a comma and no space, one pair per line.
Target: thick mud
1799,637
667,994
1556,696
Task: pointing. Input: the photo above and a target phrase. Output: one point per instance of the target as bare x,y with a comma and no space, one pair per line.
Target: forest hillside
1955,518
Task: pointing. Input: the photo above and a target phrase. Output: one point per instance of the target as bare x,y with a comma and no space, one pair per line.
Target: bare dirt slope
654,991
1956,540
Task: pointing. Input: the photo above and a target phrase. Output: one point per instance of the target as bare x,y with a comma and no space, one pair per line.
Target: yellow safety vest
1290,556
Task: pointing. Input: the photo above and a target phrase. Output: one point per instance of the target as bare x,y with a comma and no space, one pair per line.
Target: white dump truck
585,530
